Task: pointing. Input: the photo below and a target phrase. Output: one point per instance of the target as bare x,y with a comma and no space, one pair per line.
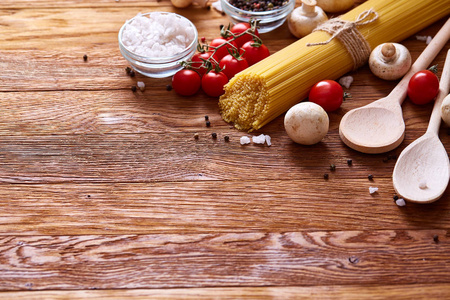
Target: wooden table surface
105,193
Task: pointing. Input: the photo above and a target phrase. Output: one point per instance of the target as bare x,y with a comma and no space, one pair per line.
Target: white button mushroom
445,110
390,61
333,6
306,123
181,3
305,18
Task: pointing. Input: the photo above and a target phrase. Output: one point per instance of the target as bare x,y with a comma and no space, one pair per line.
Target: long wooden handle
444,86
423,61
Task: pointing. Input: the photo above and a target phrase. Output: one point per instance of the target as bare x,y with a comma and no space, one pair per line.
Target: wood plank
174,156
353,292
208,207
122,111
25,70
221,260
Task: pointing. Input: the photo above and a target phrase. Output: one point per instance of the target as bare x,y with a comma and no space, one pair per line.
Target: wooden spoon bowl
422,171
379,127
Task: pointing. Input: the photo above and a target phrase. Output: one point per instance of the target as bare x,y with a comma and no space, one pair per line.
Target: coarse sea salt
400,202
245,140
346,81
373,190
159,35
260,139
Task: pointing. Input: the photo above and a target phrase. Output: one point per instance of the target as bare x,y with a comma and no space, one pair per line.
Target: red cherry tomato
198,64
328,94
240,28
186,82
213,82
222,51
254,53
231,65
423,87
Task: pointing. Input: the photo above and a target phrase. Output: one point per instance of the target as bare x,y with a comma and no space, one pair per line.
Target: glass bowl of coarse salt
156,43
271,14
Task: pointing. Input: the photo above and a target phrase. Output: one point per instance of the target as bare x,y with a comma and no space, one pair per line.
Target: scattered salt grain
400,202
217,6
245,140
268,141
260,139
424,38
346,81
373,189
423,184
160,35
141,85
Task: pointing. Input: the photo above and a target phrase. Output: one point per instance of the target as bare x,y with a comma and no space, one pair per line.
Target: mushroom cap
390,63
306,123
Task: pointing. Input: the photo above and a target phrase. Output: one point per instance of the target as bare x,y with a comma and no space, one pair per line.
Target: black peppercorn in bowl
271,14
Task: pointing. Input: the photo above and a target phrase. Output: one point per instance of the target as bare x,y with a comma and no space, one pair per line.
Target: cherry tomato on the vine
186,82
328,94
222,51
254,53
240,28
213,82
198,64
423,87
231,65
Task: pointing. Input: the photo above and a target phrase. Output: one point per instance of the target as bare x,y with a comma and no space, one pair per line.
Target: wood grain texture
105,193
356,292
246,259
179,157
208,207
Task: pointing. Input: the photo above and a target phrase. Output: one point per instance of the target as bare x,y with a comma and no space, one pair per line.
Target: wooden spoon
379,127
422,171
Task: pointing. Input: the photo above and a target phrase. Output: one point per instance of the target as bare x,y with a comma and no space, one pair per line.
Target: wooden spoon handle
425,58
444,86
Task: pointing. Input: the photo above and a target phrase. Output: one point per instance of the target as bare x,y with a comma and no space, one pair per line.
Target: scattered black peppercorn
132,74
353,260
226,138
370,177
169,87
85,57
214,135
395,197
208,123
349,162
196,136
206,118
436,238
128,70
332,167
325,176
134,88
89,196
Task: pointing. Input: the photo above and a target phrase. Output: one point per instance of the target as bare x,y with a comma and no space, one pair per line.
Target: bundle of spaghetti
269,88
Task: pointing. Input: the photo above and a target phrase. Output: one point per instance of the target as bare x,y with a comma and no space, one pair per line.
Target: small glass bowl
158,67
268,20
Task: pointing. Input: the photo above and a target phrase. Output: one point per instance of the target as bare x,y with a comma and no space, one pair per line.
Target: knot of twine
348,34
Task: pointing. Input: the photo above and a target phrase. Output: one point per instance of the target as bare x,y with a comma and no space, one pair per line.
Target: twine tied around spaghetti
347,32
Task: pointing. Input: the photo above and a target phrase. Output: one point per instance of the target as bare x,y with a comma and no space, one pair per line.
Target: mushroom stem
308,6
388,52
